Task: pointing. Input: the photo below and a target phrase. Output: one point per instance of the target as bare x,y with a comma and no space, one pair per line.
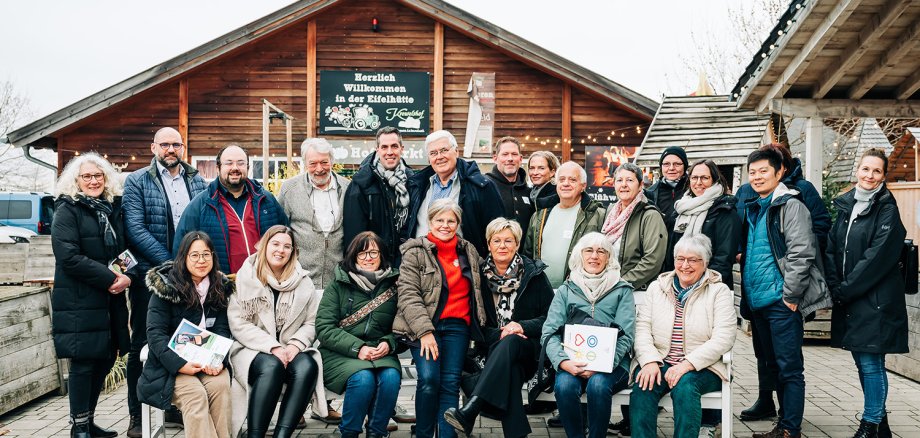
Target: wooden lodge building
412,59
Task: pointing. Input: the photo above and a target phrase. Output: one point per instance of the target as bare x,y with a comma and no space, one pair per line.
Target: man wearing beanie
672,185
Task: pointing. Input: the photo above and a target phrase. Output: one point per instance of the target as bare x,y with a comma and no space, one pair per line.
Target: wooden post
265,122
814,152
288,125
311,79
566,122
437,116
183,116
916,160
60,154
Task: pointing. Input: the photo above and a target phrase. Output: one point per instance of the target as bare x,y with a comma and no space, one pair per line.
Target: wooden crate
908,364
39,267
12,262
30,368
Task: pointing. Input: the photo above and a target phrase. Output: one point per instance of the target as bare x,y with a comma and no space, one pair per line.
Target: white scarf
692,210
254,297
595,286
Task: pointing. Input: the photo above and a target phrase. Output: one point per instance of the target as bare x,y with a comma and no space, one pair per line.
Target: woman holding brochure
192,288
594,294
90,317
272,318
684,327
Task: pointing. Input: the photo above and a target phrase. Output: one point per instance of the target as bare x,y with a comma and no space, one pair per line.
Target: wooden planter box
908,364
30,368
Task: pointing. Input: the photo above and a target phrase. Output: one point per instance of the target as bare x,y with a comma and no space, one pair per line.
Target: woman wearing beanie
672,185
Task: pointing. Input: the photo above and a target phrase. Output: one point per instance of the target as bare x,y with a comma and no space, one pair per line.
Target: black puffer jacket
663,197
370,205
870,314
164,314
87,321
515,196
723,228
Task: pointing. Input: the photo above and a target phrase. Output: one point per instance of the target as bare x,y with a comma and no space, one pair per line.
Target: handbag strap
366,309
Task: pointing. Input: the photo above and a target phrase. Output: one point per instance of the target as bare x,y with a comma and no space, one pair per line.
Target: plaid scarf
504,287
103,209
396,179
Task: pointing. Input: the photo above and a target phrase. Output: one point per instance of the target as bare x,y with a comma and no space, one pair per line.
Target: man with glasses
153,202
672,185
234,211
450,177
378,197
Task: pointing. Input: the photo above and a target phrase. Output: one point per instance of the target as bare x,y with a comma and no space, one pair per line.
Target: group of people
476,275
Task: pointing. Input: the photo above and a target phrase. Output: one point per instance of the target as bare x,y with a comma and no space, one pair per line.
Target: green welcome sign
360,102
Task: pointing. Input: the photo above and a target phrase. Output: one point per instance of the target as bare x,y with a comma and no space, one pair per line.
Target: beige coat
254,332
709,323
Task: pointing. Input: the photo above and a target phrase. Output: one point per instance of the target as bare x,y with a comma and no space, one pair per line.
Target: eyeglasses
238,163
442,151
195,256
701,178
678,261
88,177
592,251
368,255
498,243
672,164
166,146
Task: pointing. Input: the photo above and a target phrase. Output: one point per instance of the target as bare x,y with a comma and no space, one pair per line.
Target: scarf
863,198
692,210
682,293
618,216
255,297
597,285
505,286
396,179
368,280
103,209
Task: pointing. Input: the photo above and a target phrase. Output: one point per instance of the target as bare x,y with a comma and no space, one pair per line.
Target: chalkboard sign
360,102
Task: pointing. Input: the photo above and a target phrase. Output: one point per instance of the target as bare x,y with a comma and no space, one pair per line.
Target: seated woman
354,326
271,317
190,287
439,309
684,327
520,297
595,288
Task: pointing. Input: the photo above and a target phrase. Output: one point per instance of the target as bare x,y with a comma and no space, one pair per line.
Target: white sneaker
707,432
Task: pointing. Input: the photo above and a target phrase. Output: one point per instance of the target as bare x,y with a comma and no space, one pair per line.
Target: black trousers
766,371
139,297
510,363
266,377
84,384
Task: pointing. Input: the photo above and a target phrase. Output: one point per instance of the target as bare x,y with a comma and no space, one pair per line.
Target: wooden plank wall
12,262
908,196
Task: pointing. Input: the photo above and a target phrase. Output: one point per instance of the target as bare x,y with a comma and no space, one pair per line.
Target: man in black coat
511,180
378,198
672,185
450,177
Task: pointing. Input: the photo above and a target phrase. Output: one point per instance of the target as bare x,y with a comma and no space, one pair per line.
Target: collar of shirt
435,179
165,172
229,195
331,186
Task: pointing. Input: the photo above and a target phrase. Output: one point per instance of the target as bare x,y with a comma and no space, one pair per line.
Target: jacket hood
575,289
427,245
589,205
158,283
499,178
666,279
725,202
795,174
781,194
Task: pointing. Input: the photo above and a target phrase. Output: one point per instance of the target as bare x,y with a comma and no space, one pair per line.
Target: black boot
134,427
98,432
80,428
866,430
464,419
762,409
884,430
284,432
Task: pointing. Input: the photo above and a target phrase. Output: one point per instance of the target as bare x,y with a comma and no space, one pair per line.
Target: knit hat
674,150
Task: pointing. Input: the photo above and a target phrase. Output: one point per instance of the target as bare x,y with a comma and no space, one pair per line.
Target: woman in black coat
707,208
190,287
90,315
516,296
870,316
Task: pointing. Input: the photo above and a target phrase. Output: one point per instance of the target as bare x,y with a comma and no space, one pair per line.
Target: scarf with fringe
254,297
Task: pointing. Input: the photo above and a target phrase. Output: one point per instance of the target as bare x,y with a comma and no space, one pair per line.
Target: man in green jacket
553,232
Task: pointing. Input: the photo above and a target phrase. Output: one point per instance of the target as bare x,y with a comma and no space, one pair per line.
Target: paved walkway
833,402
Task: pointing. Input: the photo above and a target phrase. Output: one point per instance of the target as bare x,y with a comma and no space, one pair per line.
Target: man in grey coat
313,202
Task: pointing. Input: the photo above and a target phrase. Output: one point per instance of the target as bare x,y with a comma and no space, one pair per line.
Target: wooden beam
809,51
312,102
909,86
183,116
60,153
844,108
566,121
871,32
437,116
890,60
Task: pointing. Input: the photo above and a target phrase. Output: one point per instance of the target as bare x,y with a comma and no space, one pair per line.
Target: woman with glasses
517,295
272,318
90,314
685,325
354,326
440,308
190,287
708,209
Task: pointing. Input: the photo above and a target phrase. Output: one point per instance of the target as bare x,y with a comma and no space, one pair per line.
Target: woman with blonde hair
90,314
272,317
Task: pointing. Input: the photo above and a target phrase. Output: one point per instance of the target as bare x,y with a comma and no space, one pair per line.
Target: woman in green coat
354,326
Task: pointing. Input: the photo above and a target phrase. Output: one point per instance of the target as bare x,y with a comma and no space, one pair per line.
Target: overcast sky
57,52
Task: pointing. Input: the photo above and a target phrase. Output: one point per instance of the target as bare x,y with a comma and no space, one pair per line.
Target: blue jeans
439,380
600,389
370,393
643,404
781,342
874,381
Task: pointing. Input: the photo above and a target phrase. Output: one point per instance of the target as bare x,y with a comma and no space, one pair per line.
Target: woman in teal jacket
595,288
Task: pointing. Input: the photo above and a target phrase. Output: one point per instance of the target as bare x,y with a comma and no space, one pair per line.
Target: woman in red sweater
440,309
